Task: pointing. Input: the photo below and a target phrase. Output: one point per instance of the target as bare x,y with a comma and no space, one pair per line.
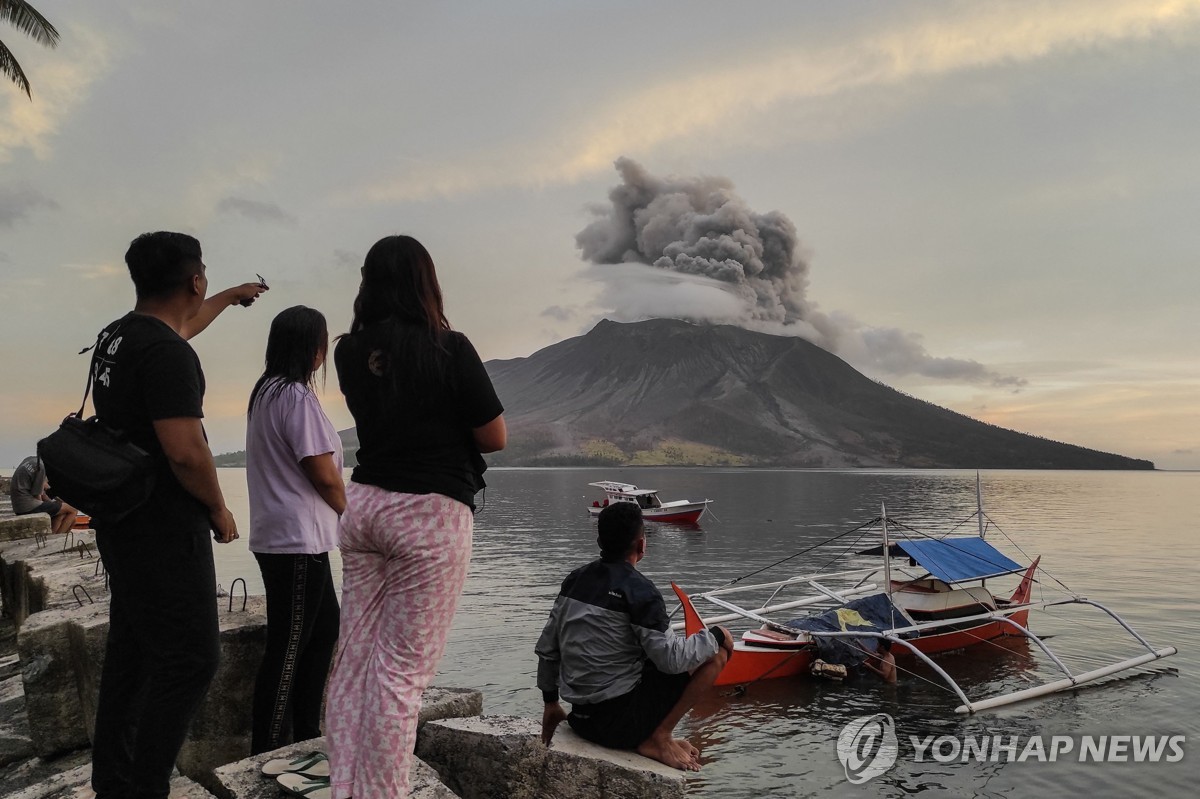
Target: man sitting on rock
28,493
608,649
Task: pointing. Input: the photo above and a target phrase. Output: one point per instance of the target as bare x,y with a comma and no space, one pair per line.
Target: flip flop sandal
299,785
313,764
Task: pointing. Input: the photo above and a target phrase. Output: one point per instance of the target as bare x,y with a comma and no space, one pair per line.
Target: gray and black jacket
607,621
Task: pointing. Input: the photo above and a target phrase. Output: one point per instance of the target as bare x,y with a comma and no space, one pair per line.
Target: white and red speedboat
680,511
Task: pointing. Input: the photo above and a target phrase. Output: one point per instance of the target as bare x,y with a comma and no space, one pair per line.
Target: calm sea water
1127,539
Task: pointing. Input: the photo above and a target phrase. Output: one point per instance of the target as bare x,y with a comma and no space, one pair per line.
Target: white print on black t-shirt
105,377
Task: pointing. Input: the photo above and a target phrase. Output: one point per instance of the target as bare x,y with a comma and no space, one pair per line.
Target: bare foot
668,752
688,751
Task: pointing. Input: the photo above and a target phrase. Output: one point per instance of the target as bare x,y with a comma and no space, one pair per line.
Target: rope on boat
1042,569
991,523
803,552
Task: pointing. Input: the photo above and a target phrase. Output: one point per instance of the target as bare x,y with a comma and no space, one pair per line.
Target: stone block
89,636
76,784
244,780
449,703
488,757
578,769
52,663
220,731
17,528
15,744
18,776
35,578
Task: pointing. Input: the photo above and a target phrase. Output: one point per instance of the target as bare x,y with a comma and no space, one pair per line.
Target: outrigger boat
921,613
682,511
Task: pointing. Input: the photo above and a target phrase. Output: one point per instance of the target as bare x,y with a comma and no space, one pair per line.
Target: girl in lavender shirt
294,476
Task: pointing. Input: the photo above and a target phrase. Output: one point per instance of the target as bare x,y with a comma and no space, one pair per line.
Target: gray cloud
345,258
900,352
17,202
691,247
558,313
255,210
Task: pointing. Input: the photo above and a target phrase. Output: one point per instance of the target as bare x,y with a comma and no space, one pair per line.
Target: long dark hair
400,303
399,282
298,335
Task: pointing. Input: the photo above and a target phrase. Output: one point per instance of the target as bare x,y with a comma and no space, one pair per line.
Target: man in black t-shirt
162,648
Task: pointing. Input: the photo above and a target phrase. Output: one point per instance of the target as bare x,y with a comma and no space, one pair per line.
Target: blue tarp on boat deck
874,613
955,560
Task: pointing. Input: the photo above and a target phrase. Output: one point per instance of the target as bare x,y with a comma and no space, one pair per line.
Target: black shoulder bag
94,467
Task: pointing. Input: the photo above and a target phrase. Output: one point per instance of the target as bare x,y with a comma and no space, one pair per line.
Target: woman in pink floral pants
425,409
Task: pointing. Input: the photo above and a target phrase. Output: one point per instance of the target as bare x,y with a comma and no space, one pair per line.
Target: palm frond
12,70
28,21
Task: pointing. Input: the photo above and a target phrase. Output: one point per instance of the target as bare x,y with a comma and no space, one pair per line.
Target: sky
991,205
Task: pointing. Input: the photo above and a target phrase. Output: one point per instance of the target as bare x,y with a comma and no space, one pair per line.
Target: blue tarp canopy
954,560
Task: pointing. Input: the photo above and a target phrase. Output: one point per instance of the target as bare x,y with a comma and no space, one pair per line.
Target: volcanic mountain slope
666,391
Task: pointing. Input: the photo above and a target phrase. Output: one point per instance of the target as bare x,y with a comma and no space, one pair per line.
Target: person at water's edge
162,647
609,650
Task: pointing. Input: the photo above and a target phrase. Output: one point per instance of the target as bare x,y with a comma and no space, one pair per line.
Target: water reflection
1127,539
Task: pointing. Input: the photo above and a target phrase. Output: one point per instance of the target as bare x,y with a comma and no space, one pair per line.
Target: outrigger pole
1070,681
979,513
979,504
887,550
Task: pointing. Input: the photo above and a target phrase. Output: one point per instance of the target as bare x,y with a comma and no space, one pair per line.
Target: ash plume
691,248
699,226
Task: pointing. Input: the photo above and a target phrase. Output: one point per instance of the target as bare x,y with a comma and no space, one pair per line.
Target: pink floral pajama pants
405,559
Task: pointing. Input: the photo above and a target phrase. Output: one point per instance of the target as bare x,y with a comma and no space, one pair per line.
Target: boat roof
623,488
954,560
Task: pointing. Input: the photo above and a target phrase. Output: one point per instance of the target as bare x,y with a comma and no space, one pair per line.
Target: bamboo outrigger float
921,615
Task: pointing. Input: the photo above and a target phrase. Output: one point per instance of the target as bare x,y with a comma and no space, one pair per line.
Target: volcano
665,391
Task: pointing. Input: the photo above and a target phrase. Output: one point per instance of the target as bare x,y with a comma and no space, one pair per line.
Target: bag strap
95,348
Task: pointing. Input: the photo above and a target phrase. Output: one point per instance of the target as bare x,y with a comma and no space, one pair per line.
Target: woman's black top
415,402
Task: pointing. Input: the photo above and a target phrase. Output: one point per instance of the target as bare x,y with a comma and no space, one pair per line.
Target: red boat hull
687,517
680,517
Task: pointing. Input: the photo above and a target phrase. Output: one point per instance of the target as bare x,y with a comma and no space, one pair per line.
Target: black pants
623,722
302,631
161,654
